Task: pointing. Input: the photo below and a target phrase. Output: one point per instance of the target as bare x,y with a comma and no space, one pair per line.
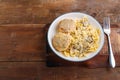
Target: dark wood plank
101,60
38,71
45,11
20,70
22,42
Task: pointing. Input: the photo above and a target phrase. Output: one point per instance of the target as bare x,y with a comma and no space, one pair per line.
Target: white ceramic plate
74,15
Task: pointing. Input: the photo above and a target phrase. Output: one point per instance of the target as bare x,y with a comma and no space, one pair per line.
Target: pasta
84,40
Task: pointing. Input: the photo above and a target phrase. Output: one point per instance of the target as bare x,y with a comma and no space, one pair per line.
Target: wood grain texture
23,45
38,71
45,11
27,42
22,42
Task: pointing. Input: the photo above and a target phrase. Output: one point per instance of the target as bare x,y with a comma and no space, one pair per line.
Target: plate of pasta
75,36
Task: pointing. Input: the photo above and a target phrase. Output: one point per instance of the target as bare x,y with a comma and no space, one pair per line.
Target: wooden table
23,44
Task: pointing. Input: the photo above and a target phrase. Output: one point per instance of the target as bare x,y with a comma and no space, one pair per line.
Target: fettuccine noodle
85,39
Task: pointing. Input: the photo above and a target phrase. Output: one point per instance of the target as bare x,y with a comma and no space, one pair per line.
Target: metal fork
107,31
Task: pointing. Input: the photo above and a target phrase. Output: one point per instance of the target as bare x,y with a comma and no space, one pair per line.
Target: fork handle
111,56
